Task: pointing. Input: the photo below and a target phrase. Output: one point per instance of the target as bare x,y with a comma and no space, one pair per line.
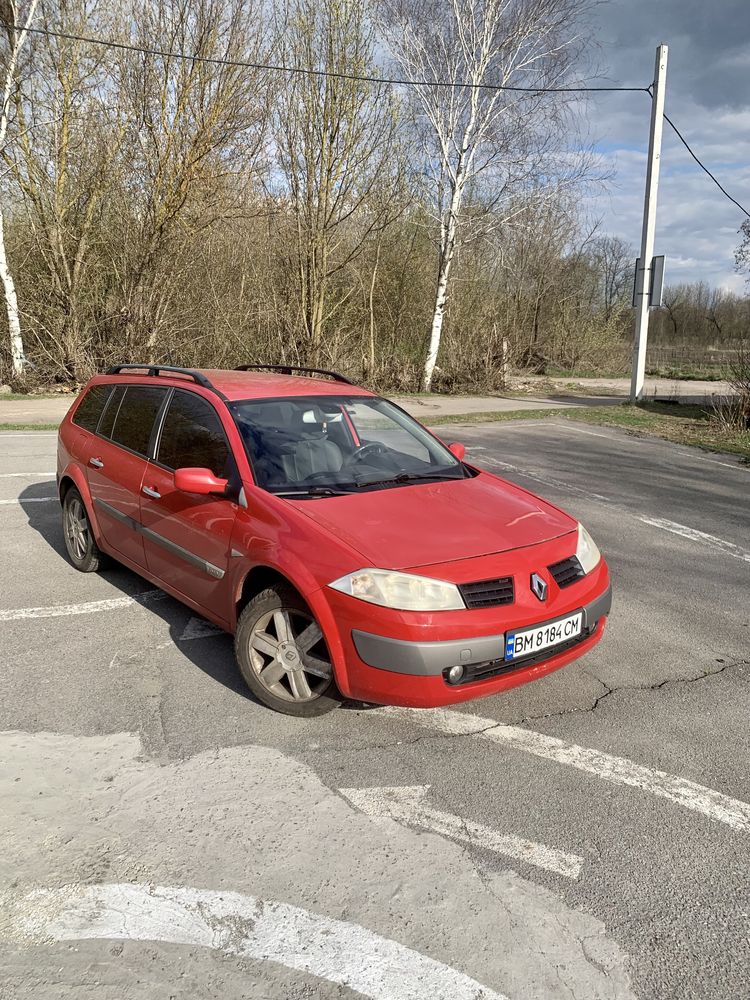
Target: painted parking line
619,770
236,924
88,608
199,628
727,465
581,430
693,535
18,502
408,805
25,475
495,463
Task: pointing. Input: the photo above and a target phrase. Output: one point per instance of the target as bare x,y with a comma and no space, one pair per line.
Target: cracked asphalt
211,789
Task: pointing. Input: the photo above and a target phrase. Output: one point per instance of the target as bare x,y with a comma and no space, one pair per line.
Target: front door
116,461
187,538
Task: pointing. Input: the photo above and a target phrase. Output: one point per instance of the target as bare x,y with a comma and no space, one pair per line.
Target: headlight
587,554
403,591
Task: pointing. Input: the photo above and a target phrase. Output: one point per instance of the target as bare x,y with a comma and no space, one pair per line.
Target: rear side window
135,417
91,407
110,411
192,436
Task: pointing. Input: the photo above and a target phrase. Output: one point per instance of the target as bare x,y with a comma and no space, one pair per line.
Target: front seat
313,452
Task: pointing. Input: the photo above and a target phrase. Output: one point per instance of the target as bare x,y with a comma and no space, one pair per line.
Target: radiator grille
487,593
566,572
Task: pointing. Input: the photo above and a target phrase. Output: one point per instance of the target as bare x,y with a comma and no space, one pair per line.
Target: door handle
97,463
150,492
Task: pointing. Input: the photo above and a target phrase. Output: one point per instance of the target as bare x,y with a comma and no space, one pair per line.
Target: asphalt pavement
584,836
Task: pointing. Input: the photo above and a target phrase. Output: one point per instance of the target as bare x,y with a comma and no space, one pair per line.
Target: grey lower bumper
430,659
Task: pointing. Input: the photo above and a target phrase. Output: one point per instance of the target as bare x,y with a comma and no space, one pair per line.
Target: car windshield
325,445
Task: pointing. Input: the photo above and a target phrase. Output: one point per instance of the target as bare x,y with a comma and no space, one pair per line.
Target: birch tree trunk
11,304
487,71
447,250
16,41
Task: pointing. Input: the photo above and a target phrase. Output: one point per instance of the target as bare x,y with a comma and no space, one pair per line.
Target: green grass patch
29,427
689,425
29,397
486,416
573,373
689,374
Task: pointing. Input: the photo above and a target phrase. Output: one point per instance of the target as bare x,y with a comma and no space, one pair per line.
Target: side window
192,436
91,407
110,411
135,417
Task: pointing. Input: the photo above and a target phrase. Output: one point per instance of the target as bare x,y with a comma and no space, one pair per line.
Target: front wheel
80,545
283,656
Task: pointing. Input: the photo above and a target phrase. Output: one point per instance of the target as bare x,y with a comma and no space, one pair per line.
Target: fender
74,472
298,575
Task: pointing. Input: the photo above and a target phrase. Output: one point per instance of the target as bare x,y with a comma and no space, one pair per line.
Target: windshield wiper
312,491
410,477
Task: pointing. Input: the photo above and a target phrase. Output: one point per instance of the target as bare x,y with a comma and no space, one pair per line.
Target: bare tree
469,128
194,133
11,17
63,165
742,255
336,139
614,260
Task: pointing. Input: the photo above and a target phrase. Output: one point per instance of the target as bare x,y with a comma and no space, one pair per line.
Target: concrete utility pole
643,280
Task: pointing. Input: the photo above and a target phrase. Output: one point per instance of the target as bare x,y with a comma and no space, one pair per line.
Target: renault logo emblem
538,587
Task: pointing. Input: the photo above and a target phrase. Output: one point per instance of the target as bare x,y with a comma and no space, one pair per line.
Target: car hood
418,525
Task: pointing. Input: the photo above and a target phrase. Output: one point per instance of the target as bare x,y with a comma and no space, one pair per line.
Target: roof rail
157,370
291,369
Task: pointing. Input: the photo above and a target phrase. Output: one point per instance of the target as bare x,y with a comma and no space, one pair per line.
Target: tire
80,545
274,666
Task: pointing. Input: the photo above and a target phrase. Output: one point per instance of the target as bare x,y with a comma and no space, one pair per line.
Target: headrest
310,420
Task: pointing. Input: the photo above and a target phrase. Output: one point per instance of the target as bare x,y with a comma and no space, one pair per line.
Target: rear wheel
283,656
82,550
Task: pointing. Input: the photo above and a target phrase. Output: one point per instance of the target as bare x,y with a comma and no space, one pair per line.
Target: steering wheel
371,448
317,477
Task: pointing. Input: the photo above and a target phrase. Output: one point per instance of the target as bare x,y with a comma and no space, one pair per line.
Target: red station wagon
348,549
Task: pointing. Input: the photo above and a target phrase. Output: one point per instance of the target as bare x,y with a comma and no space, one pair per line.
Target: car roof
236,385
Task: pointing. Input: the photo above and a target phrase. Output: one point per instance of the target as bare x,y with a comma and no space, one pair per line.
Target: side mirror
457,449
200,481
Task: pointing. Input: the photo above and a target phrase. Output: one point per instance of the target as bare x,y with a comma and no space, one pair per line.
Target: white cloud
707,98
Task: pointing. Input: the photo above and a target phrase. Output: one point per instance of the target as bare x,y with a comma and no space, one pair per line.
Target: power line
302,71
703,166
361,78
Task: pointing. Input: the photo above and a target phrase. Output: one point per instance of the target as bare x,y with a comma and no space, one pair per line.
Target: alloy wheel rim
76,529
289,655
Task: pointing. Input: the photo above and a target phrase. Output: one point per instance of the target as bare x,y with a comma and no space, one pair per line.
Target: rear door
187,537
116,461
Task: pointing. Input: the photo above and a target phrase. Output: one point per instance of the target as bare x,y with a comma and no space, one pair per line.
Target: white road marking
619,770
334,950
17,501
89,608
546,480
693,535
407,805
713,461
199,628
581,430
25,475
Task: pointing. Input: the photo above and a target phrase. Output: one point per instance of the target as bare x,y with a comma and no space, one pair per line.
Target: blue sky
708,98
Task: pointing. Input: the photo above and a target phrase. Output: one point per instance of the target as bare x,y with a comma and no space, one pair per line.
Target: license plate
529,641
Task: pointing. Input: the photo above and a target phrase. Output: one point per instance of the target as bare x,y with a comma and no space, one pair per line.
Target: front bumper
432,659
397,658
